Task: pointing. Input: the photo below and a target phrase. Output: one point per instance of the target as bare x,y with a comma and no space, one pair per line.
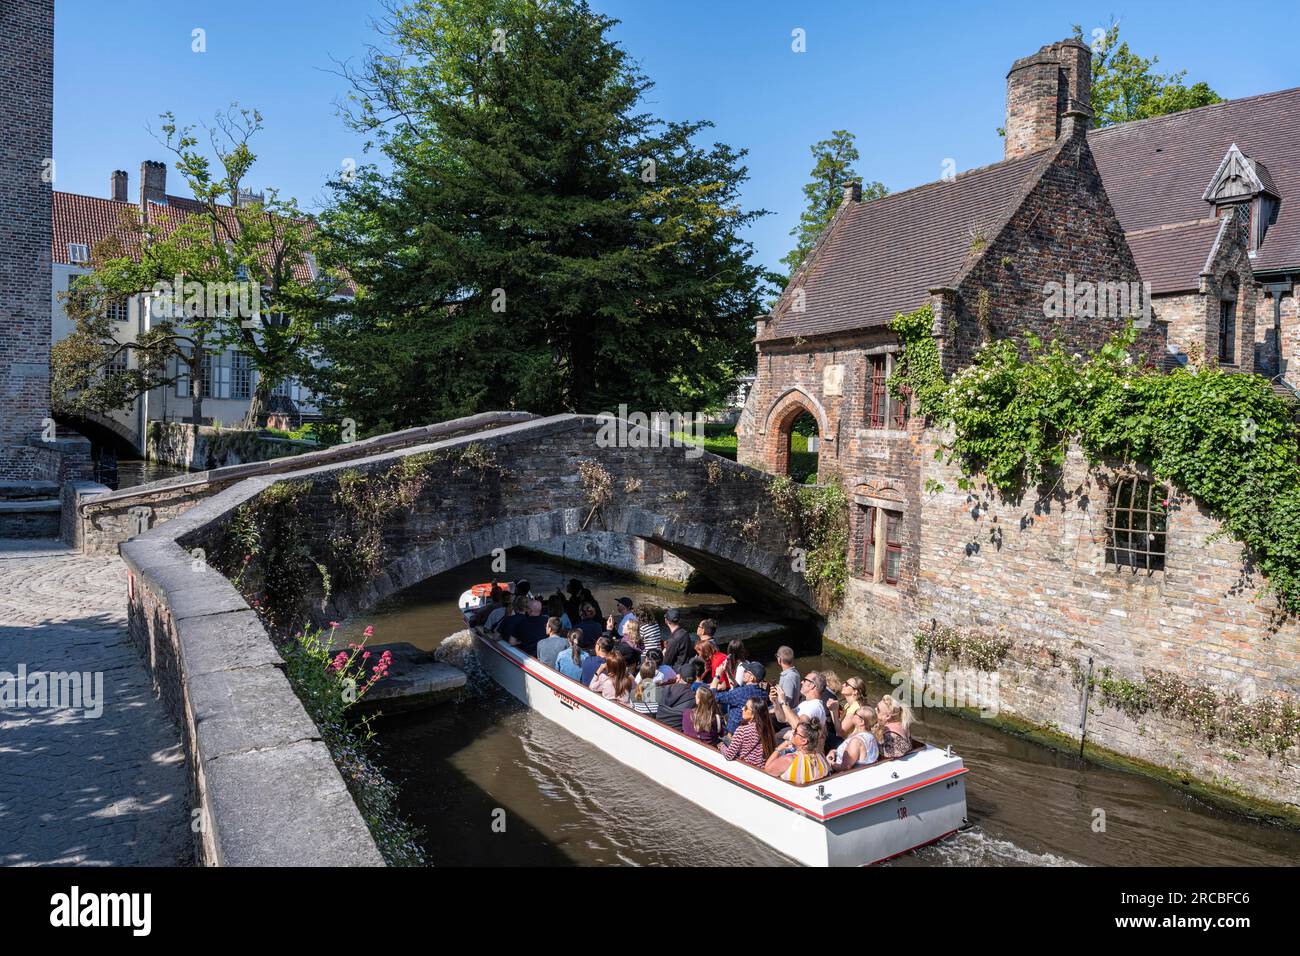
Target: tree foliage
536,239
1125,86
833,161
227,240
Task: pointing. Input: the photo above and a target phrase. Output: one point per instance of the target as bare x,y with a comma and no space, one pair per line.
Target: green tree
1125,87
201,268
537,239
833,161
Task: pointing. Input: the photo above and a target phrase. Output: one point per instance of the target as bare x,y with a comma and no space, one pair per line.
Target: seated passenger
527,631
554,644
663,673
604,647
853,697
645,694
704,720
570,662
753,741
733,701
802,762
731,673
859,747
651,636
809,705
555,608
677,696
708,652
894,727
588,623
612,681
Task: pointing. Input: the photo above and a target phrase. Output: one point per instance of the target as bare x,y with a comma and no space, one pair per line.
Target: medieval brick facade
26,171
1042,570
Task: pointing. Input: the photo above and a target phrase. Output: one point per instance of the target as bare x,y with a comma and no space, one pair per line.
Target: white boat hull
865,816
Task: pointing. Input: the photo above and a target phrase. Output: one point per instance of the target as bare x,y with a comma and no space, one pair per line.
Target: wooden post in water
1083,716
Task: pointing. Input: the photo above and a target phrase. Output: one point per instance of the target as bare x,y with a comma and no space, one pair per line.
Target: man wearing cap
734,700
679,648
623,611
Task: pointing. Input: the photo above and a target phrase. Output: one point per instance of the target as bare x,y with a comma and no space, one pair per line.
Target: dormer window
1240,181
78,253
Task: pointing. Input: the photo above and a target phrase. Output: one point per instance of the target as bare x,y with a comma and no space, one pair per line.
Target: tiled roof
883,256
1172,258
1156,170
87,220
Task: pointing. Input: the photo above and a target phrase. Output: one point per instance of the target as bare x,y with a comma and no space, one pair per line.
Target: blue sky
917,82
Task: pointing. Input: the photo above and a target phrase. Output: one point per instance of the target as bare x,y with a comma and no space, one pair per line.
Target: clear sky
918,82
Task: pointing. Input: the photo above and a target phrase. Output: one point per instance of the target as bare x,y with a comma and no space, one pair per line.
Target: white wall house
82,221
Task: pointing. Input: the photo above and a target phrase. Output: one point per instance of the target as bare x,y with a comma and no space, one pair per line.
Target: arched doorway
795,433
803,443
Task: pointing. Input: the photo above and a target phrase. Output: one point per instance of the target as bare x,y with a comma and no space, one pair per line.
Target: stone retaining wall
107,520
203,447
618,552
266,788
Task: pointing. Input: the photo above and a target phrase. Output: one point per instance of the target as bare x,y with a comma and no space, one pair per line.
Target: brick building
1202,206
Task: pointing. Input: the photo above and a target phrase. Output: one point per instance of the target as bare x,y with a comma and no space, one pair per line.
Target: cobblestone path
78,789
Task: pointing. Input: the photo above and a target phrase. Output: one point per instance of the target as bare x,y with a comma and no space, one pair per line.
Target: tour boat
478,597
860,816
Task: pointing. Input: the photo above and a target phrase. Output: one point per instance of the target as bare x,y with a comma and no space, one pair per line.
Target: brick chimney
853,191
117,191
1043,88
153,183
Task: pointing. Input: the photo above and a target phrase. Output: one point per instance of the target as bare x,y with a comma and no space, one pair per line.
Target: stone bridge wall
104,521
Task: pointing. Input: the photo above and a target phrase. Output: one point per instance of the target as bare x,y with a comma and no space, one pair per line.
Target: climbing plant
820,516
1225,439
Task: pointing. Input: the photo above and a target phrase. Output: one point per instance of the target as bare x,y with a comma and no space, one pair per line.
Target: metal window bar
877,412
893,547
1138,527
869,544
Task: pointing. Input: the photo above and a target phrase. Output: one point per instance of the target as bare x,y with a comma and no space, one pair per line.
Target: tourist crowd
799,727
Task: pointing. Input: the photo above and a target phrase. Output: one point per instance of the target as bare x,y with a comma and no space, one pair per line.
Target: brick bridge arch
522,484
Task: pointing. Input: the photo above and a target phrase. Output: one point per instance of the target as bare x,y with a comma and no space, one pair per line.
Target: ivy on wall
820,515
1224,438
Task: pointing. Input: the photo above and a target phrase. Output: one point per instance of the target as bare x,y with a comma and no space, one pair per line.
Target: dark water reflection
566,802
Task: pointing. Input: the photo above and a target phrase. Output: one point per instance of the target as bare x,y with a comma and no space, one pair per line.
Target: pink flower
247,558
334,624
365,656
370,631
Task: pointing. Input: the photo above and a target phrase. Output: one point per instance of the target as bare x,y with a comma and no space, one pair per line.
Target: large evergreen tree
833,161
537,241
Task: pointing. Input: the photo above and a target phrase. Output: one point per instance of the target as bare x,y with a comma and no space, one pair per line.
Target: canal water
567,803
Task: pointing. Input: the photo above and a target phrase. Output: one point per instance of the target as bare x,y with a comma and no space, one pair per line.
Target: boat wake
974,847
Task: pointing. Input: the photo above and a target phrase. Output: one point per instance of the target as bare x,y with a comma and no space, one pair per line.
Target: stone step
33,505
27,490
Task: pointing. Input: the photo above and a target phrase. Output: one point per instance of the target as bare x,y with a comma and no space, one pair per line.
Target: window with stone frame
1137,525
882,547
883,410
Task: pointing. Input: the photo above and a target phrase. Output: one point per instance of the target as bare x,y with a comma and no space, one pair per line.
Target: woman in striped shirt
753,741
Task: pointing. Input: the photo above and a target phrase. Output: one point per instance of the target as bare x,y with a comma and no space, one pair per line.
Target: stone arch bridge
508,487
